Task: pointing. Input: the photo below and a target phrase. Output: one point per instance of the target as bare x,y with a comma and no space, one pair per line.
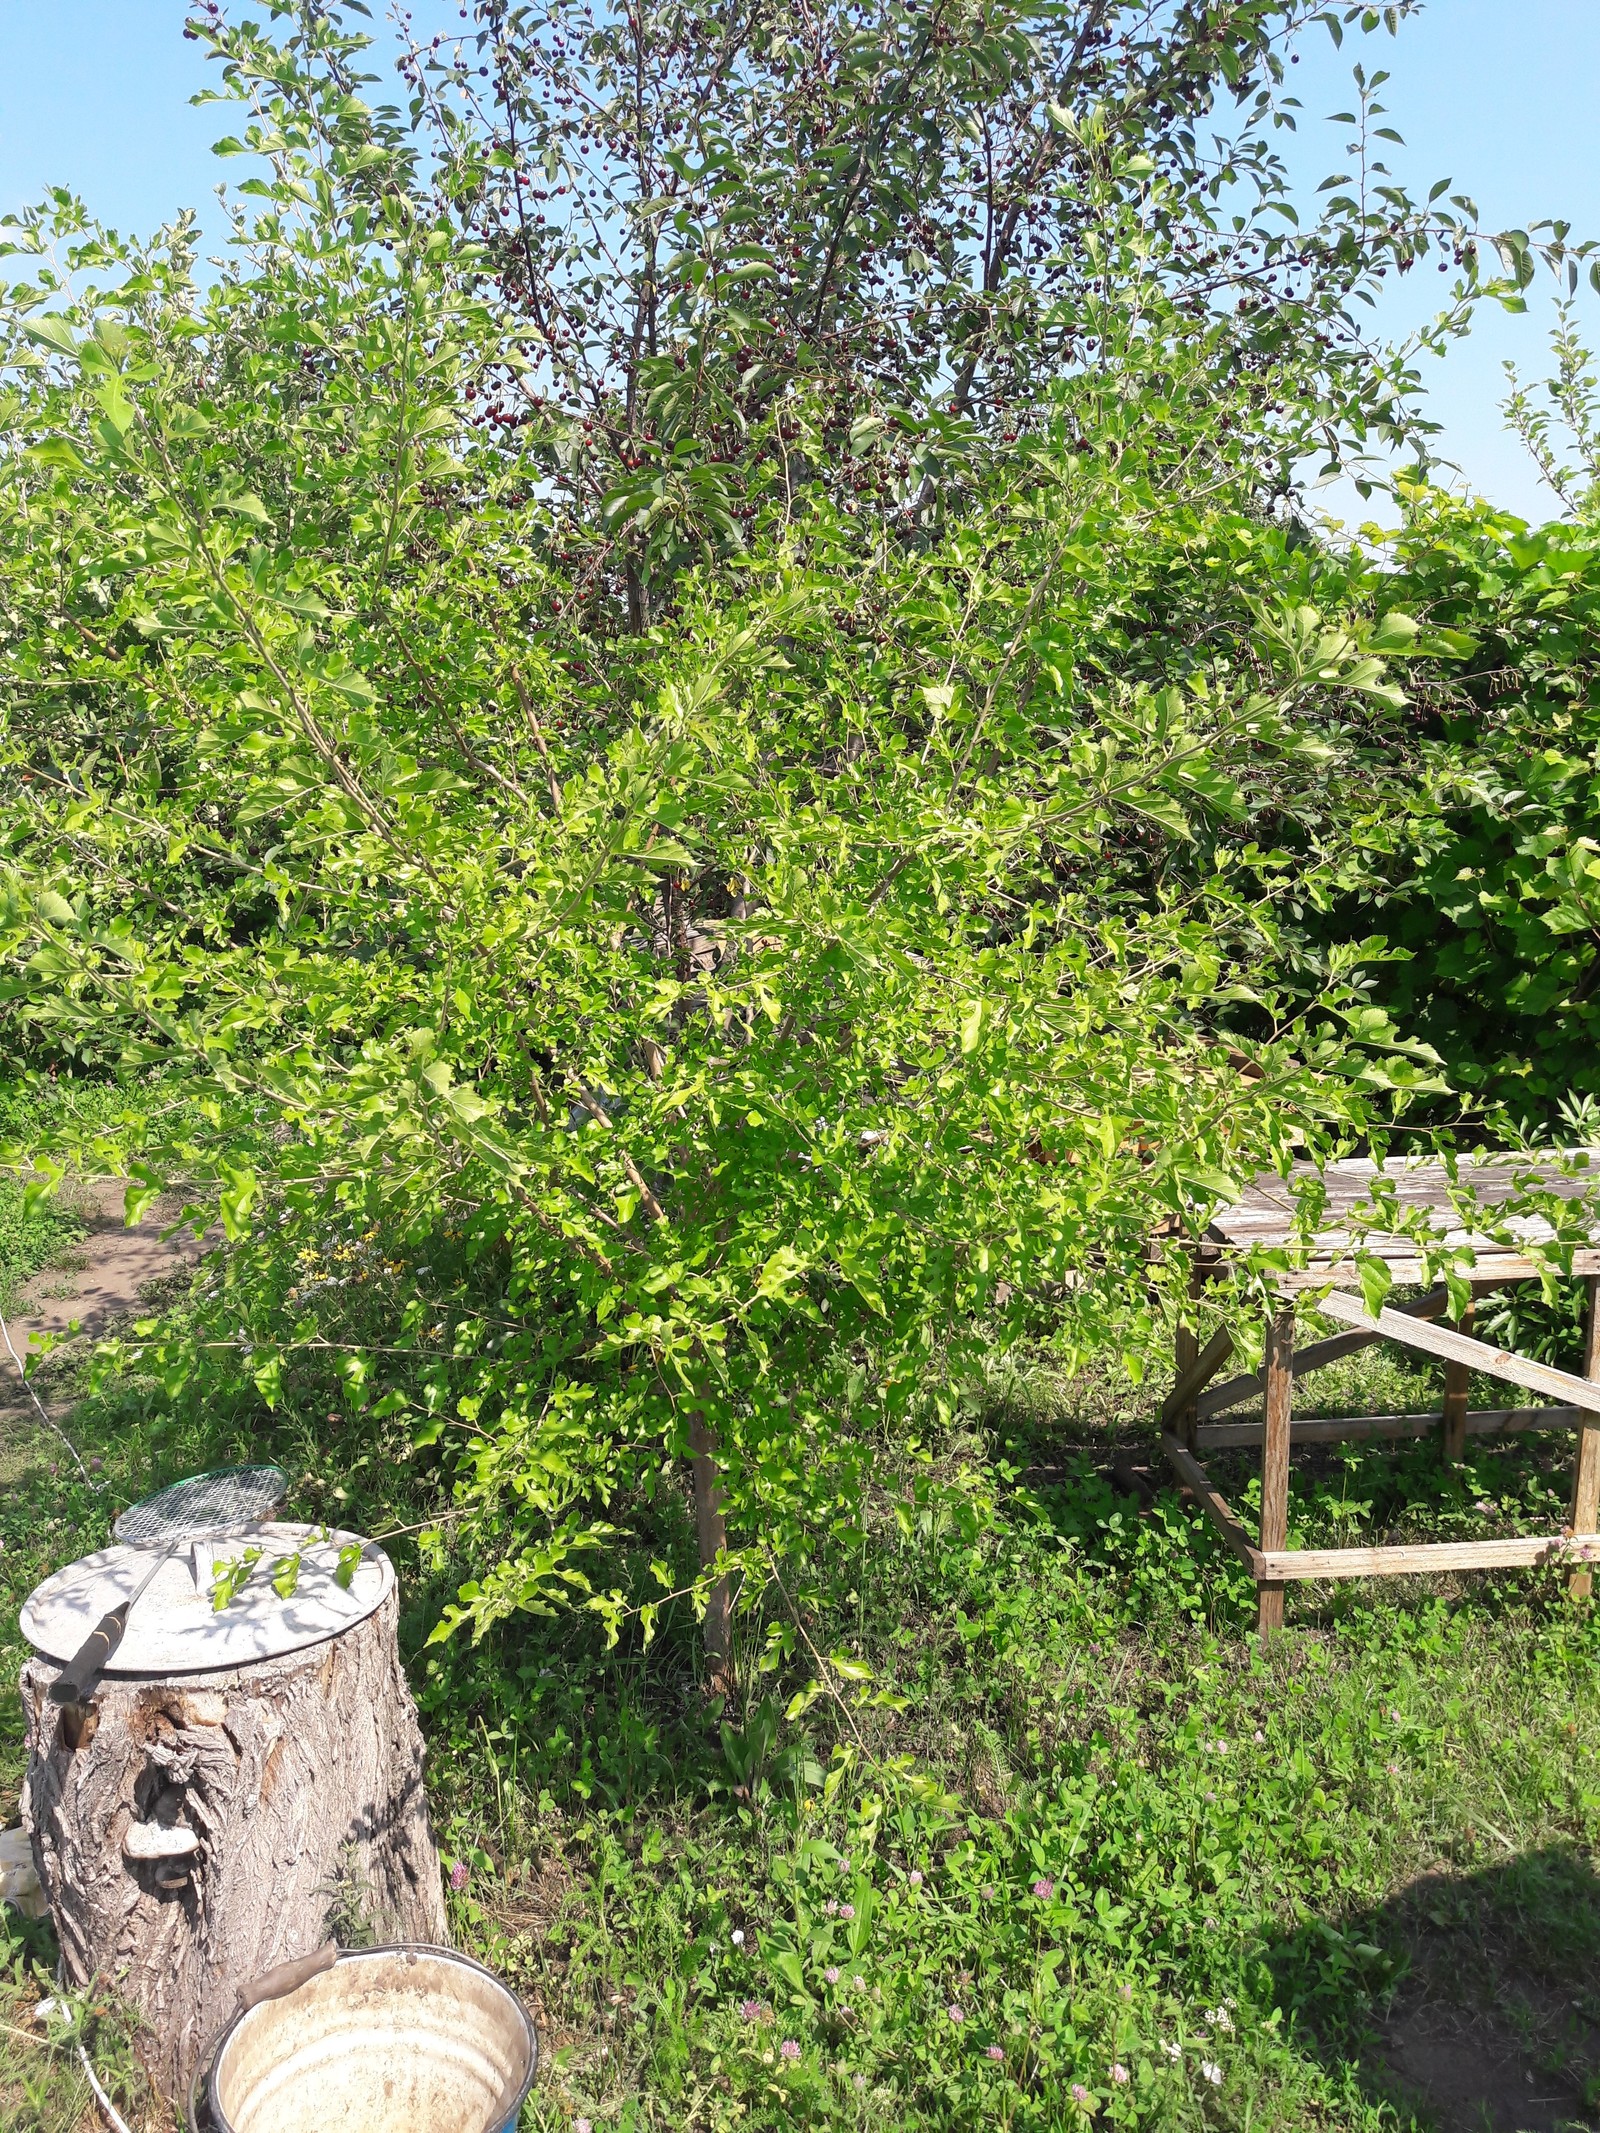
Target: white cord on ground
47,1419
46,2008
113,2117
54,2010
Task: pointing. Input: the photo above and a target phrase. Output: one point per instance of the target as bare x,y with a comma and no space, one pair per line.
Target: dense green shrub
1493,887
613,964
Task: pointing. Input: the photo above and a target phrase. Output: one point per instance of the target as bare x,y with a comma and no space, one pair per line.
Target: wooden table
1265,1216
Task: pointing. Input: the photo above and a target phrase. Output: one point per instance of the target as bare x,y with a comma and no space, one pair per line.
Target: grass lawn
1052,1842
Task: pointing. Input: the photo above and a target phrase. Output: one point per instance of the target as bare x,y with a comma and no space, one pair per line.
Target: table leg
1186,1348
1275,1458
1453,1436
1586,1475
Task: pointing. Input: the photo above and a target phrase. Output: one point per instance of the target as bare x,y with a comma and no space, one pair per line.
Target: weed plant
43,2088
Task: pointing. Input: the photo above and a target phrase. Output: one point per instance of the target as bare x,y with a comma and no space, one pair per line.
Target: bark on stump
191,1832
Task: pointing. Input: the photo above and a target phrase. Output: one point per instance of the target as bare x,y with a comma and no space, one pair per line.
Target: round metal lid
175,1629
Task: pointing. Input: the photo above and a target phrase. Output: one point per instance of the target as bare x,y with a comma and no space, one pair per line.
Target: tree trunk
192,1832
713,1537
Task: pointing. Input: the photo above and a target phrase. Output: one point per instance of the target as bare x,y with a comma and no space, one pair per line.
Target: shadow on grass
1479,1996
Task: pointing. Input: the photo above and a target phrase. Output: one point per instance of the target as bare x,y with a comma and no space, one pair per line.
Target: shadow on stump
1470,2001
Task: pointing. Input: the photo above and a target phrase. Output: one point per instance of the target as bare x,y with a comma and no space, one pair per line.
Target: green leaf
1395,632
229,1575
1161,808
787,1966
355,686
863,1278
236,1199
1376,1281
38,1192
779,1270
138,1193
802,1700
241,503
51,331
849,1669
58,452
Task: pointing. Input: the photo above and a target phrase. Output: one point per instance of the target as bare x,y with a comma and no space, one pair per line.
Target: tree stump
192,1831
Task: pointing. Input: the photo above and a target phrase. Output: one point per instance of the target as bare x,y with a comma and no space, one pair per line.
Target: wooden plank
1279,1372
1586,1471
1477,1355
1202,1368
1185,1353
1335,1429
1317,1356
1265,1212
1518,1552
1490,1267
1492,1421
1189,1471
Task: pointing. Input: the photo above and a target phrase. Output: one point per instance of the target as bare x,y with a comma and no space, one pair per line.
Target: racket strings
231,1496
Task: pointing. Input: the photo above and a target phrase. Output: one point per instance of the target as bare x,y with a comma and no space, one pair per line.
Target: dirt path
107,1275
102,1279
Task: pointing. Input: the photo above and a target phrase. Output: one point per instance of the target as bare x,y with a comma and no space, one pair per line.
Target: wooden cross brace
1187,1430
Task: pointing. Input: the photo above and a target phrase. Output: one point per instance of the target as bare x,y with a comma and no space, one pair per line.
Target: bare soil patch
1495,2024
109,1273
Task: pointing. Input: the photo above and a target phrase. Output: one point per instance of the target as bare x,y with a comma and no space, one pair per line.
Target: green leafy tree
1562,417
735,252
1485,879
602,1044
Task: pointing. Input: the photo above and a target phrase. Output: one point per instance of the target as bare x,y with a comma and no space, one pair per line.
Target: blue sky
1498,95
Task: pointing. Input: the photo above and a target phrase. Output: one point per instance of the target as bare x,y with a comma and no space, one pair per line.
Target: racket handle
91,1658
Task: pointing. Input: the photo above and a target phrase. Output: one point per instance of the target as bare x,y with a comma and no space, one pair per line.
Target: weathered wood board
1265,1212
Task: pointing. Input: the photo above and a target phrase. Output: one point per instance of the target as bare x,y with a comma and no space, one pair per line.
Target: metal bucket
384,2040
